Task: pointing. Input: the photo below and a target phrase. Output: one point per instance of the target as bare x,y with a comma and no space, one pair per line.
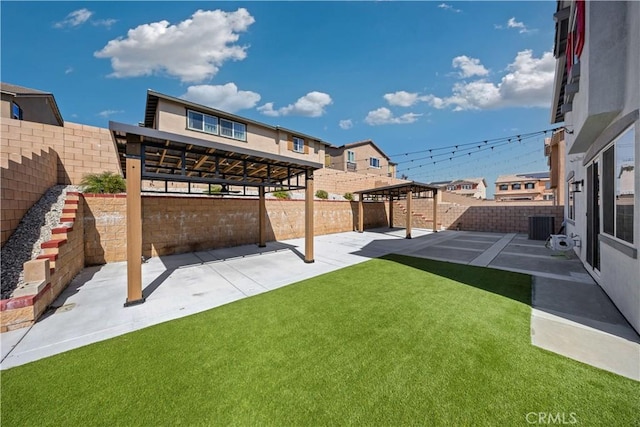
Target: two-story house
469,187
361,157
175,115
597,96
523,186
22,103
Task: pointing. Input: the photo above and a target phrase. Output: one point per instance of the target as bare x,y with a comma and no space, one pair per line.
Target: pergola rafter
151,154
407,191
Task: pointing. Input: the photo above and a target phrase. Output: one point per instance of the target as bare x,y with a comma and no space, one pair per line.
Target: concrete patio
571,315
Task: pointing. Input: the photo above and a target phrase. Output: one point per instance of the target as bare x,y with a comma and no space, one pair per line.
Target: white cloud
74,19
512,23
223,97
104,22
384,116
69,70
469,67
192,50
107,113
528,83
401,98
346,124
310,105
449,7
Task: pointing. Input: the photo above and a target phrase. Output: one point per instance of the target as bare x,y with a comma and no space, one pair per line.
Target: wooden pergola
150,154
408,191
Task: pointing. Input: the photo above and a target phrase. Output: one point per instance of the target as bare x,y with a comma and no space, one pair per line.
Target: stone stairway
419,220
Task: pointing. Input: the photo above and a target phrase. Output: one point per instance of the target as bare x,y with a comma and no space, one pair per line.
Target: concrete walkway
569,316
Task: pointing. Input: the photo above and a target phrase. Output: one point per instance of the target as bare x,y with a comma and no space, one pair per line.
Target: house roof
522,177
152,105
459,181
399,191
34,99
561,17
361,143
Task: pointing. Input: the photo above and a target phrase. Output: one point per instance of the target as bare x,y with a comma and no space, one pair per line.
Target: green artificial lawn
392,341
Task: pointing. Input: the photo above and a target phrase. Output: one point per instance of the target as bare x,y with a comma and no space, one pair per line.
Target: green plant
105,182
348,196
281,194
321,194
214,189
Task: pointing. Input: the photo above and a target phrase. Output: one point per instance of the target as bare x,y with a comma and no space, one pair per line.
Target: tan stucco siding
172,117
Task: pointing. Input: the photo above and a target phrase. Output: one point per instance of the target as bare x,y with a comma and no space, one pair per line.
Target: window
529,186
618,188
351,156
503,187
233,130
466,186
202,122
571,205
374,162
298,145
516,186
451,187
547,197
16,111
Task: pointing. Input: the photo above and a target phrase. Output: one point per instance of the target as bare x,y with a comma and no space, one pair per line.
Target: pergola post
308,218
134,223
390,211
409,215
435,211
262,218
361,213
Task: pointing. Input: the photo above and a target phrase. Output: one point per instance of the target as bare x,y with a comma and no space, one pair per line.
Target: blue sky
412,76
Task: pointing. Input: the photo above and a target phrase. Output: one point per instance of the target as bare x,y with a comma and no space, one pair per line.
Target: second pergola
406,191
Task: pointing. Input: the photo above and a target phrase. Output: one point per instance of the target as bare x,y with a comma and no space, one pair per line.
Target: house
523,186
178,116
361,157
470,187
23,103
554,150
597,96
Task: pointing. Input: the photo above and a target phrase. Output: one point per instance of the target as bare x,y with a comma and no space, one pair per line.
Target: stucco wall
172,118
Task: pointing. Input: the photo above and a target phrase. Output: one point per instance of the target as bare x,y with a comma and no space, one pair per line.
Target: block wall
341,182
176,224
488,216
25,178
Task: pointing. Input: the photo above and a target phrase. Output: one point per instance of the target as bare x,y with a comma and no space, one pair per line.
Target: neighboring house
22,103
361,157
523,186
554,150
169,114
597,95
470,187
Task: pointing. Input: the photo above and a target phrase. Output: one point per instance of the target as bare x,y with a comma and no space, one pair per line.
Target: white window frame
374,162
203,120
351,156
616,186
298,145
240,135
467,187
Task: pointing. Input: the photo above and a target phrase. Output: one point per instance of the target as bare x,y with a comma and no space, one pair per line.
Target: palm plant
105,182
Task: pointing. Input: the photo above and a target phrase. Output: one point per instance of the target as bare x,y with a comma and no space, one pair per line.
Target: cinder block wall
25,178
70,152
341,182
177,224
487,216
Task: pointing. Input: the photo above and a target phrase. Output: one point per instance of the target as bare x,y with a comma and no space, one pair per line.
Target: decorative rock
34,229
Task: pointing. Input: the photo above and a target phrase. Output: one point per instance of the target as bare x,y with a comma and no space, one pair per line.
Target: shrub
321,194
281,194
214,189
348,196
105,182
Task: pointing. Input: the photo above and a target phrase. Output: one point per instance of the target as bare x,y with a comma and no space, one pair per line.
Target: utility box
540,227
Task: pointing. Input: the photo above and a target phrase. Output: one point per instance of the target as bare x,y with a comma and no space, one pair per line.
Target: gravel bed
34,229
